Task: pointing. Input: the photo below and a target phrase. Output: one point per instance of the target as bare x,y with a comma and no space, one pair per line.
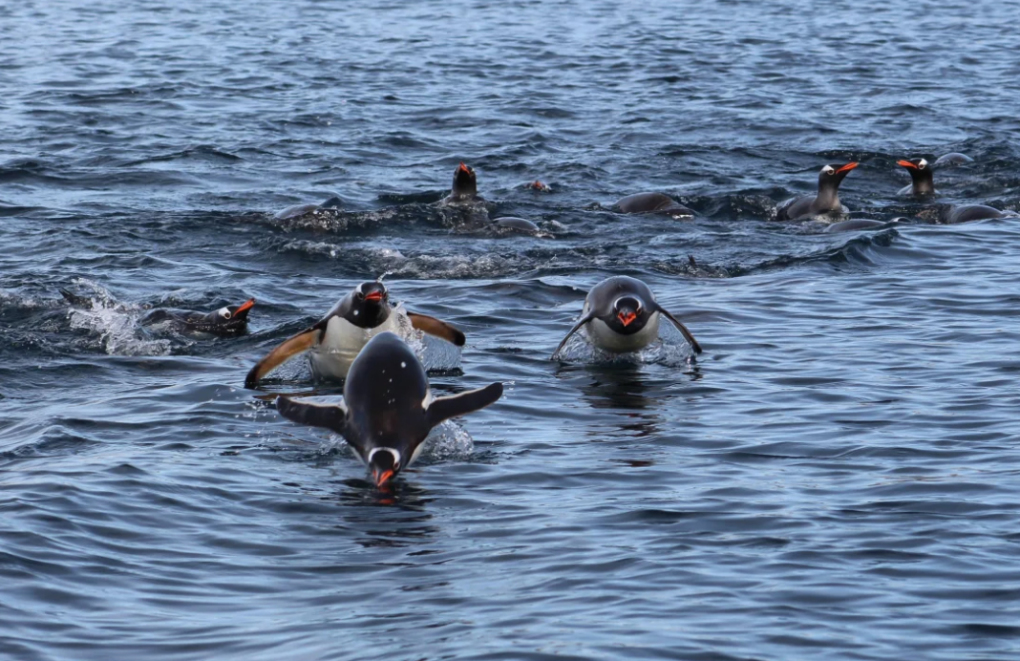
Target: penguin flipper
585,319
292,346
680,327
440,329
329,416
444,408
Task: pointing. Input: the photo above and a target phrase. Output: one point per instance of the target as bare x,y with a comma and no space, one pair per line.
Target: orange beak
464,168
906,164
626,318
247,305
848,166
383,478
373,296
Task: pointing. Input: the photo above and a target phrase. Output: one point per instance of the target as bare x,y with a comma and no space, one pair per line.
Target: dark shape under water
659,203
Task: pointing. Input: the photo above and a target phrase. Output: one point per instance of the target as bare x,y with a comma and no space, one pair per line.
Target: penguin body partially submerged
227,321
656,203
825,202
620,315
388,408
335,341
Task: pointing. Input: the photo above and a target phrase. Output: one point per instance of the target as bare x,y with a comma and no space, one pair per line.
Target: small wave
113,325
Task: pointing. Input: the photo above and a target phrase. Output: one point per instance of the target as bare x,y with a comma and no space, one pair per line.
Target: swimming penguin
227,321
513,224
465,186
659,203
922,182
388,407
963,213
334,203
855,224
827,200
952,159
620,315
334,342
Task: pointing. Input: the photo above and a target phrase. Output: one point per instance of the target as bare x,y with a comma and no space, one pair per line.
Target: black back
384,391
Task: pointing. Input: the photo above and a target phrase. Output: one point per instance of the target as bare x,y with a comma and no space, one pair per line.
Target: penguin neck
923,182
369,316
828,198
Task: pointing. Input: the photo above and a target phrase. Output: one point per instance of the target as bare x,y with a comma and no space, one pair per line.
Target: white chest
606,338
332,357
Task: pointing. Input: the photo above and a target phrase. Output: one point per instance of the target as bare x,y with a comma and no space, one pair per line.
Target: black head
830,176
464,182
231,319
629,315
384,463
369,305
920,175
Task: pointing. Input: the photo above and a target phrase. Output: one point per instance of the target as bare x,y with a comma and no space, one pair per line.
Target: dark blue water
836,477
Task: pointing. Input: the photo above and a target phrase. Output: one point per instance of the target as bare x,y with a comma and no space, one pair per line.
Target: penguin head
464,182
628,316
830,176
370,304
920,174
384,463
232,318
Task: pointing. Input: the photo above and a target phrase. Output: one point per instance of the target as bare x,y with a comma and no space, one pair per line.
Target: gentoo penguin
230,320
334,342
620,314
652,203
334,203
513,224
922,182
465,186
855,224
227,321
388,408
964,213
827,200
952,158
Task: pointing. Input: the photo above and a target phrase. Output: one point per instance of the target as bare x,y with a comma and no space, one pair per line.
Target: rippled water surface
836,477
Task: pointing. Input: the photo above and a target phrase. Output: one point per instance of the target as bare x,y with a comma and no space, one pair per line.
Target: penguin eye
225,313
921,165
829,170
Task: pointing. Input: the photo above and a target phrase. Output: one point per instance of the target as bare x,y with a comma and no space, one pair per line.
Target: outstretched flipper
440,329
444,408
291,347
683,329
329,416
585,319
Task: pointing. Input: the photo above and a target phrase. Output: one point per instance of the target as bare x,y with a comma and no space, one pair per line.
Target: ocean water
837,476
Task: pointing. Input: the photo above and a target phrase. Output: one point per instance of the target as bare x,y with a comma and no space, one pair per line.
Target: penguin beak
848,167
373,296
244,307
383,477
464,168
906,164
626,317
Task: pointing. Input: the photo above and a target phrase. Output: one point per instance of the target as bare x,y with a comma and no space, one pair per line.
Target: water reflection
393,516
